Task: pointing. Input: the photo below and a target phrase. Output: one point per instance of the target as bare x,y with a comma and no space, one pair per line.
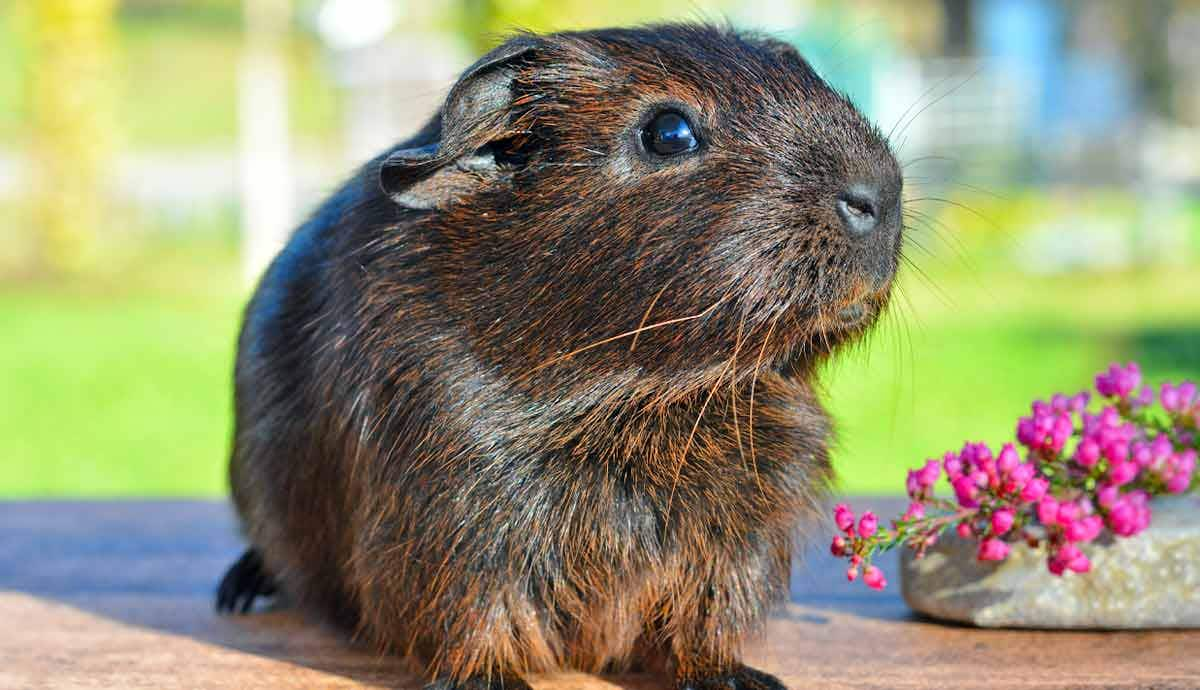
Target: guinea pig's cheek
879,268
620,168
740,260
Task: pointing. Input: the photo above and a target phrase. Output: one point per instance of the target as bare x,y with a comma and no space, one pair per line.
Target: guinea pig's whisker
912,241
935,101
947,237
957,204
633,343
915,103
921,159
929,282
935,227
626,334
691,436
980,190
737,422
569,165
754,383
733,392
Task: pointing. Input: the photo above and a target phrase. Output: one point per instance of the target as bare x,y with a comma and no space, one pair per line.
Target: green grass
120,384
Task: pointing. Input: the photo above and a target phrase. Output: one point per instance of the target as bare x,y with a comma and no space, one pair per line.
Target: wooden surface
119,595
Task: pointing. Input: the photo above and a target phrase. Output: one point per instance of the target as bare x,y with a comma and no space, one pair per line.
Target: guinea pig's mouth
858,310
848,318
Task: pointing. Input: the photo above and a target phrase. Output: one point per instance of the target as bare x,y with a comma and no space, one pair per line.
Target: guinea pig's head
661,205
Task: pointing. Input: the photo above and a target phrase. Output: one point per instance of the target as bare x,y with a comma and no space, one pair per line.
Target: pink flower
1187,460
1008,459
1160,449
1106,494
1087,453
1027,433
867,525
1056,566
1170,398
1179,483
1002,521
1110,418
1142,455
1047,510
1177,399
1115,450
1063,428
1022,473
838,547
873,577
992,550
966,490
1059,402
1145,397
1034,489
1079,401
911,486
1121,473
1067,513
1129,514
916,511
1187,394
1085,529
1080,564
1119,381
1123,456
843,517
953,465
1069,557
928,475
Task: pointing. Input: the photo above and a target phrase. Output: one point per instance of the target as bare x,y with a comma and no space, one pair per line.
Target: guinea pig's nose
860,208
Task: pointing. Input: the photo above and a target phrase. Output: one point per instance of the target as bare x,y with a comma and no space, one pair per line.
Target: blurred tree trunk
957,29
71,84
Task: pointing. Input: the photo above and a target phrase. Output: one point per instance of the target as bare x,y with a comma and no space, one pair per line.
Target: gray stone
1148,581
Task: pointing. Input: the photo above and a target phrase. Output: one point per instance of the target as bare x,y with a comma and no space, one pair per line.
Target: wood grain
119,595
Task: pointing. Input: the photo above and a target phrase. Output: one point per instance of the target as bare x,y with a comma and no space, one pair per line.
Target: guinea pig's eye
669,134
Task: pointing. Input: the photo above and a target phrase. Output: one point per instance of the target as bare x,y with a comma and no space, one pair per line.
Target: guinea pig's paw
502,682
245,581
740,678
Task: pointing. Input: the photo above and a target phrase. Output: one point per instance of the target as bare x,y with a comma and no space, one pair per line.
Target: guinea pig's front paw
740,678
503,682
245,581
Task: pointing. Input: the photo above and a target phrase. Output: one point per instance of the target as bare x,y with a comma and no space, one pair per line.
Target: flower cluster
1072,475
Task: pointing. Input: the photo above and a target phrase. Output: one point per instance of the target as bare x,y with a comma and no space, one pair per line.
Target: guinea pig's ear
455,159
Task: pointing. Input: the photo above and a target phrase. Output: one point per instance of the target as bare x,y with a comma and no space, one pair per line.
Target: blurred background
155,153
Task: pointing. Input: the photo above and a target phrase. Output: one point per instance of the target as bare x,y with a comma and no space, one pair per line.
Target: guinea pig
536,389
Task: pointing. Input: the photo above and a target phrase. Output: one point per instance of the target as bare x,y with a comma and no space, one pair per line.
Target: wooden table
119,595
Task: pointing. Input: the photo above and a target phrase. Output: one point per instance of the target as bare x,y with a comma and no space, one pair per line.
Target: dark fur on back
543,401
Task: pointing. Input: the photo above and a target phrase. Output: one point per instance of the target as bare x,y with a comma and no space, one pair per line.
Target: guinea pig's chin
847,319
853,315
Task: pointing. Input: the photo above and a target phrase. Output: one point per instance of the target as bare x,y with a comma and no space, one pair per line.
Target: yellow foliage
485,21
72,121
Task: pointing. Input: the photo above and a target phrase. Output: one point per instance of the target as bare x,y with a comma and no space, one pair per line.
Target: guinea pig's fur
524,396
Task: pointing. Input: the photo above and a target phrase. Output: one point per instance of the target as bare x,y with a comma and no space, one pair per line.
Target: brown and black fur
521,397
